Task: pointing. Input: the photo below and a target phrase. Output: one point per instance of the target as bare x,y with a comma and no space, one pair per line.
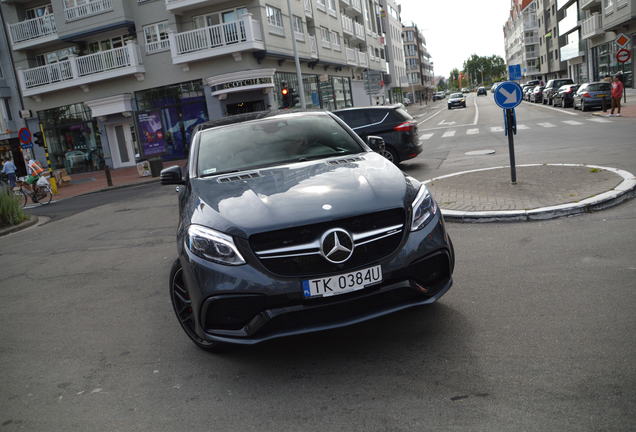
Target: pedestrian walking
617,94
9,169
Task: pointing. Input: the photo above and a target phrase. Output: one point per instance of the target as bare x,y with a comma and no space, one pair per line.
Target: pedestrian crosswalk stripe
522,127
546,125
448,133
599,120
496,129
572,122
472,131
426,136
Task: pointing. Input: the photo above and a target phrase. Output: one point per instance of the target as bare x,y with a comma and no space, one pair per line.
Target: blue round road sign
508,95
24,135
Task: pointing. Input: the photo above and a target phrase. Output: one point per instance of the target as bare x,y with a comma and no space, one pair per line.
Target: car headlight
424,208
212,245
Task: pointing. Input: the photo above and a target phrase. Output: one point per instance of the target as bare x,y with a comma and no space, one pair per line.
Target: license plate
601,95
341,284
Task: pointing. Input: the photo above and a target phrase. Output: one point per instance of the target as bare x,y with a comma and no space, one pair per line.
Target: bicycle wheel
21,196
46,196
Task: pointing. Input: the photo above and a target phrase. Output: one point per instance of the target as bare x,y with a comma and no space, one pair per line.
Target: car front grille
295,252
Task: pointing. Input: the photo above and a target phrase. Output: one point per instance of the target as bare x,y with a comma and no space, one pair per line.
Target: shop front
329,92
605,63
73,138
166,117
241,92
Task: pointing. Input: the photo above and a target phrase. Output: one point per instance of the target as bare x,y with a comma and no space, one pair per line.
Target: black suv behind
552,88
392,123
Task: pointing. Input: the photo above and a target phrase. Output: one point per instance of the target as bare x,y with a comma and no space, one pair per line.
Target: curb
111,188
624,191
19,227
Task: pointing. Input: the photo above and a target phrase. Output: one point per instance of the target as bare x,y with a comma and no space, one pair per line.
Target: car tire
180,299
449,107
390,154
583,107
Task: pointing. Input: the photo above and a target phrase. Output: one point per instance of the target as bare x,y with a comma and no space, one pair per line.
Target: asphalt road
537,333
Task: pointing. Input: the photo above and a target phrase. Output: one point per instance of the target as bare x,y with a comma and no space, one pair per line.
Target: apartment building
394,50
602,21
521,36
419,68
10,121
112,79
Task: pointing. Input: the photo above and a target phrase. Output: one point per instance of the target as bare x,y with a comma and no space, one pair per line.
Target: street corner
29,222
542,191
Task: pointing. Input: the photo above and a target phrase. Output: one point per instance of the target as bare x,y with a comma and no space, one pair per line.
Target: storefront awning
110,105
241,81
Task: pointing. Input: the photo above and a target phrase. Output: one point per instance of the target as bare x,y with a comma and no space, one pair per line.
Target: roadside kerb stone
543,191
32,220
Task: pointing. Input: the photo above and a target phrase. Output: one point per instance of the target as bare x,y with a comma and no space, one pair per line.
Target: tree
441,84
484,69
453,79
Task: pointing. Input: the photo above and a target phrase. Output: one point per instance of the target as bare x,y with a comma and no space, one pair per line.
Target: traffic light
37,139
285,95
294,98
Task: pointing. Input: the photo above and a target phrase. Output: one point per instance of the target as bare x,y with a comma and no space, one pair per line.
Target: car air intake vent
345,160
239,177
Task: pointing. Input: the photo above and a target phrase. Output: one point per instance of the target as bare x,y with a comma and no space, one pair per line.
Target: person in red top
617,94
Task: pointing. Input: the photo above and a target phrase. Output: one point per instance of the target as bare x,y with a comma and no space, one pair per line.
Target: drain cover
480,152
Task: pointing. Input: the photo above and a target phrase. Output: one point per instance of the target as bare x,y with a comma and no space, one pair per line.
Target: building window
274,17
321,5
109,44
217,18
325,37
335,41
38,11
156,36
298,25
331,6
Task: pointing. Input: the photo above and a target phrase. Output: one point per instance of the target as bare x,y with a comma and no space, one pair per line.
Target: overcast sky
455,29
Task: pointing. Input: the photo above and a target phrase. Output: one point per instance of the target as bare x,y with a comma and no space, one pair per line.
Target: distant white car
406,101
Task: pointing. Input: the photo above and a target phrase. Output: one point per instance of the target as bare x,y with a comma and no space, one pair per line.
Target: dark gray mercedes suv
290,223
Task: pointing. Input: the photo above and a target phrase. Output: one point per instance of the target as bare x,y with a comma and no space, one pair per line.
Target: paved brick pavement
537,186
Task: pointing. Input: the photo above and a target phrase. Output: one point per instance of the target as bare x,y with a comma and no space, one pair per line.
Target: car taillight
407,126
586,94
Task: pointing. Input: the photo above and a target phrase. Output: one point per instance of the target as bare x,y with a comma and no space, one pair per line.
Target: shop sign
621,40
152,135
243,83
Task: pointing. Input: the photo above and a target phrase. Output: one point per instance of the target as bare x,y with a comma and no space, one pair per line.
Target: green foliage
11,212
485,69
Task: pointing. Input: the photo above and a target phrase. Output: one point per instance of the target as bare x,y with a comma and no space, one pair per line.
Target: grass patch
11,212
594,170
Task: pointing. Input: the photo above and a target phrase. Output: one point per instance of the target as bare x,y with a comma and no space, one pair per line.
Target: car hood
299,194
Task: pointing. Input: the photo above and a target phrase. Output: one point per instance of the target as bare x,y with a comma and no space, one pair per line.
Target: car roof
253,116
394,106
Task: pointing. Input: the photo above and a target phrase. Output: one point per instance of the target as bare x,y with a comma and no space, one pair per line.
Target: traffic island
543,191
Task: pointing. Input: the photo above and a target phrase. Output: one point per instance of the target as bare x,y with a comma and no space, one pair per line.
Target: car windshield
272,141
457,95
599,87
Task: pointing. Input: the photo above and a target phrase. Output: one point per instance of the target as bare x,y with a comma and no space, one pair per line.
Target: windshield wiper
219,173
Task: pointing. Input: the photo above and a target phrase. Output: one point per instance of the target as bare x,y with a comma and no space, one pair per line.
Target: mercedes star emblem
336,245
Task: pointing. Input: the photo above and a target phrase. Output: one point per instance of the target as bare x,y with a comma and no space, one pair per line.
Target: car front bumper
247,304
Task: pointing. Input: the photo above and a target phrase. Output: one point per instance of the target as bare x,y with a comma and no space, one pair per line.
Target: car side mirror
376,143
172,176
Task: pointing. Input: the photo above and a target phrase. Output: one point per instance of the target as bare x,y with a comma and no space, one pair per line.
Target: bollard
109,179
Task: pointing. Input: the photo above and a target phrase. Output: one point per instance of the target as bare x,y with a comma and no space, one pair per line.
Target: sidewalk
543,191
628,109
84,183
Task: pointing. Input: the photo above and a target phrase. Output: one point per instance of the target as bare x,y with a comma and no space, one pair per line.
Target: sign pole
510,120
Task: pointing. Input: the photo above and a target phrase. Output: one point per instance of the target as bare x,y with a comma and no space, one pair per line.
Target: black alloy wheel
182,305
583,107
391,154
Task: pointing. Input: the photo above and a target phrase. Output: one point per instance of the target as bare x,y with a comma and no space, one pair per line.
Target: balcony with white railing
157,46
363,59
217,40
31,32
531,40
358,30
179,6
83,70
308,10
346,2
356,5
92,7
347,25
592,26
352,58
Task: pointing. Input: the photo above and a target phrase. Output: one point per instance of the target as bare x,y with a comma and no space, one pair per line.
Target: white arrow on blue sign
508,95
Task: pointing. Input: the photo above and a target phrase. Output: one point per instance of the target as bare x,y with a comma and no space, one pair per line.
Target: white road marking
450,133
552,108
496,129
428,118
476,119
546,125
444,122
599,120
571,122
474,131
426,136
522,127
